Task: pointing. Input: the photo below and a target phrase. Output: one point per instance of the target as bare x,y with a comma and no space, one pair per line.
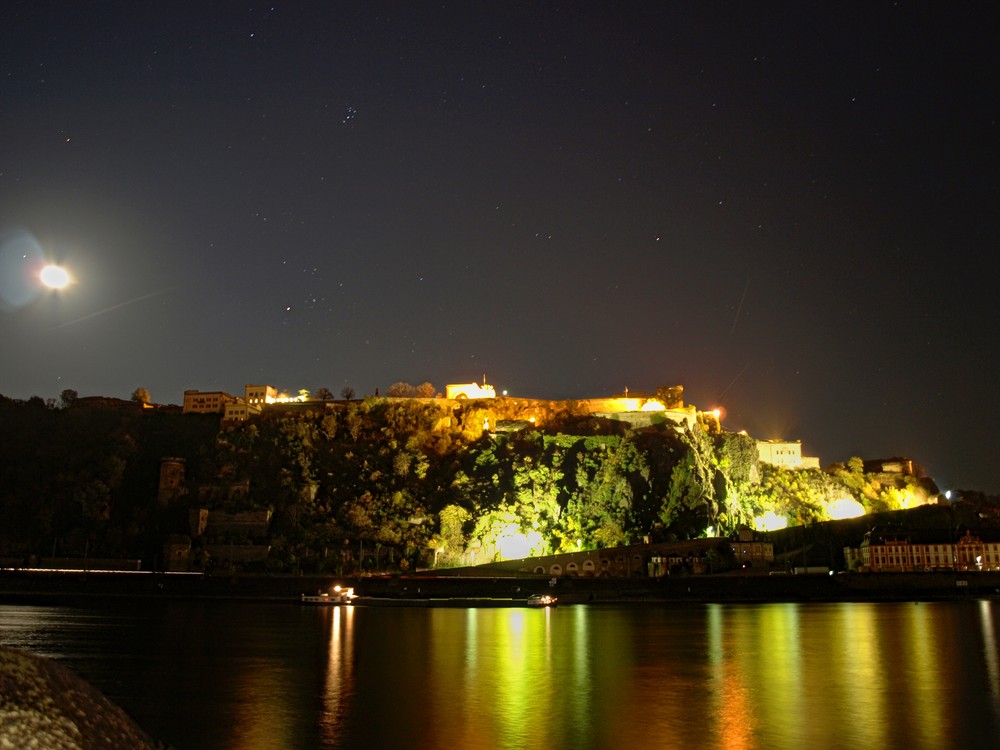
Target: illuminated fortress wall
474,408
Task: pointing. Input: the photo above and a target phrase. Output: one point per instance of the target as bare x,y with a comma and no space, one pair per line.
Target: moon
54,277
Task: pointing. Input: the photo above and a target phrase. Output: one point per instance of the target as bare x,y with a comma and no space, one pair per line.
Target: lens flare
54,277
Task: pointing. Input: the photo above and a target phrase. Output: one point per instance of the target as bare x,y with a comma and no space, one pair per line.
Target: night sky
788,208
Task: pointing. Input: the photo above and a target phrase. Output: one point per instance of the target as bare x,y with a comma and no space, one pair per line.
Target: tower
171,479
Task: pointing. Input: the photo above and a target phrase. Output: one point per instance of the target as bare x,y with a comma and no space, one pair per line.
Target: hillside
389,484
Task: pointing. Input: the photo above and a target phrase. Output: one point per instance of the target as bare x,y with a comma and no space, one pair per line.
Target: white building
786,454
470,390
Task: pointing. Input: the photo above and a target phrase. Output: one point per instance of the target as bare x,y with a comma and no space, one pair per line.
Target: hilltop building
258,395
206,402
240,411
785,454
470,390
235,408
902,466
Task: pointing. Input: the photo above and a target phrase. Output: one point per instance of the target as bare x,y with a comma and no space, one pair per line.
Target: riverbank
50,586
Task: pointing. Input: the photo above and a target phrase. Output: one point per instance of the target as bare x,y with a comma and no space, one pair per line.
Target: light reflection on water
720,676
339,672
991,650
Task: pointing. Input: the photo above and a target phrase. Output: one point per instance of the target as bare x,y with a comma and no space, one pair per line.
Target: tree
324,393
347,393
400,390
424,390
449,544
67,397
141,395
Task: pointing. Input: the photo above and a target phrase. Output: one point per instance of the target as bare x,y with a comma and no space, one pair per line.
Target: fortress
477,408
665,406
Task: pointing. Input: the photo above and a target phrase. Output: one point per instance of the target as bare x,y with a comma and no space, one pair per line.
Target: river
253,676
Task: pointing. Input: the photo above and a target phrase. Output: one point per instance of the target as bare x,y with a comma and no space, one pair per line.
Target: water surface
247,675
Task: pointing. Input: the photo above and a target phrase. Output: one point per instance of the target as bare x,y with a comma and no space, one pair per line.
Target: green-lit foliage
393,484
801,495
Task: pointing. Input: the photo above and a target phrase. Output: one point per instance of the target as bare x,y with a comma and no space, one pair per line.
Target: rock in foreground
46,706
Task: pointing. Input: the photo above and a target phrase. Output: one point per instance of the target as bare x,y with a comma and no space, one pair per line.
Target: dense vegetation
391,484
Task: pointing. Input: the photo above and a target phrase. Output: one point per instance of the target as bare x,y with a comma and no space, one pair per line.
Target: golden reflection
736,718
776,638
573,665
860,671
339,670
917,644
650,680
265,715
722,676
776,669
504,680
596,677
991,650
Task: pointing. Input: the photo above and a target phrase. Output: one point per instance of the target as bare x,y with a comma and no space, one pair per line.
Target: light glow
284,398
54,277
847,507
513,544
770,521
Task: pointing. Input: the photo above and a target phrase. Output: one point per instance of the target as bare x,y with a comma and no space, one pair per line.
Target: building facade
470,390
240,411
901,555
786,454
206,402
750,551
171,485
259,395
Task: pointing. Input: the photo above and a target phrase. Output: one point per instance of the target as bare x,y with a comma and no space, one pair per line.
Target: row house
900,554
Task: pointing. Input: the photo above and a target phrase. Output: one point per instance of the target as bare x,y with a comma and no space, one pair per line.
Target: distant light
54,277
513,544
770,521
847,507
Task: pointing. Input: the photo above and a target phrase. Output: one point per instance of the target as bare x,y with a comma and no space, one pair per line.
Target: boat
339,595
542,600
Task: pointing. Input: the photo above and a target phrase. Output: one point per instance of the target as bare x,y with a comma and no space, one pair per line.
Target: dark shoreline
48,587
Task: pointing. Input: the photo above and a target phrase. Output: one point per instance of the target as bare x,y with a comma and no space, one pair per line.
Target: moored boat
339,595
542,600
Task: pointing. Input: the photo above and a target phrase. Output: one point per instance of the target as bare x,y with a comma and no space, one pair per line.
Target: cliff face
45,705
384,484
356,485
